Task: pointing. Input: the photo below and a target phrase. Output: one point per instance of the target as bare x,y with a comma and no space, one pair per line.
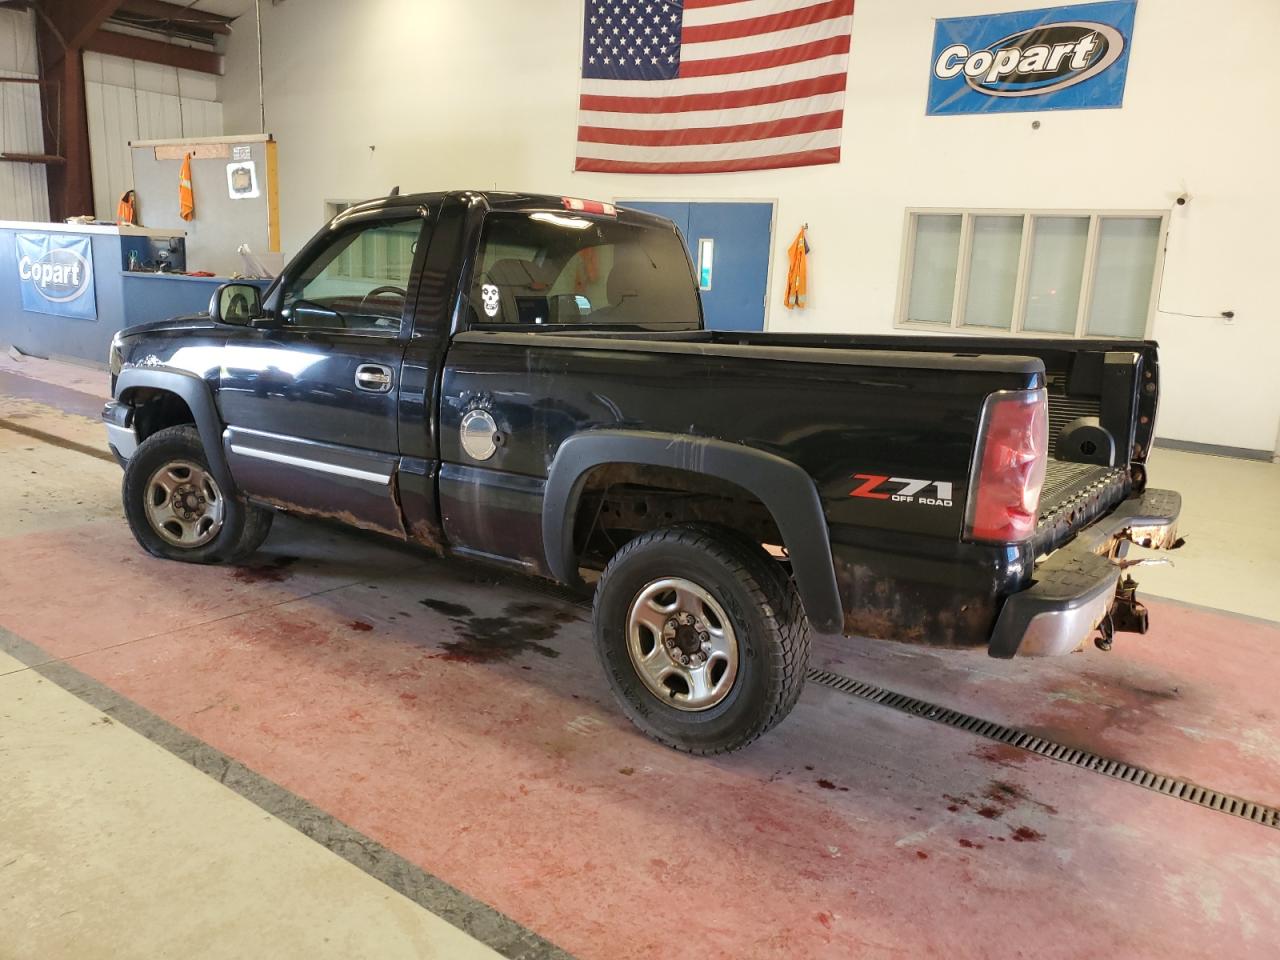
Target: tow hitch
1128,614
1083,587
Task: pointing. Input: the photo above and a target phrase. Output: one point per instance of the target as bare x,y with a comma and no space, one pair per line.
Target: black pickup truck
526,380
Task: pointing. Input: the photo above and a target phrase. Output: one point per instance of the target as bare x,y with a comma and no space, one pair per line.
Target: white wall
24,191
132,100
483,93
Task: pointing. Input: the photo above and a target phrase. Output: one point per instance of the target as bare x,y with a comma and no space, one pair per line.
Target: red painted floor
1192,698
464,724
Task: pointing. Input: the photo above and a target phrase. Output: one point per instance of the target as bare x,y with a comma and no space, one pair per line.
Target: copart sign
1060,58
55,273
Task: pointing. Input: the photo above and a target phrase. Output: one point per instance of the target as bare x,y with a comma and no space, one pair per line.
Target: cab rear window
559,268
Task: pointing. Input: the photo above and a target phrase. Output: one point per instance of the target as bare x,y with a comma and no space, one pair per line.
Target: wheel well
620,501
155,410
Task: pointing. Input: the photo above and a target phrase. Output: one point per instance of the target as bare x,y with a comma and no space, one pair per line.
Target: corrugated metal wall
23,189
131,100
126,100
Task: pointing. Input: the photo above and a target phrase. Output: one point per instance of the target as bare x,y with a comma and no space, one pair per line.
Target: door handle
373,377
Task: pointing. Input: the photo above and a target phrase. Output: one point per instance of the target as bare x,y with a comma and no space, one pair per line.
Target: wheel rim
682,644
184,505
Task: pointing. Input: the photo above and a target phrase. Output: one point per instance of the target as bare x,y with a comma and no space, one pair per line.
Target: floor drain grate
1139,776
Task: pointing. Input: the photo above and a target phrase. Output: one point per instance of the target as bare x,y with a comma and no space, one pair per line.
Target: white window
1038,273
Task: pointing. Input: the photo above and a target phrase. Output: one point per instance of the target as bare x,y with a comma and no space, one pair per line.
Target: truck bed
1073,495
857,410
1074,368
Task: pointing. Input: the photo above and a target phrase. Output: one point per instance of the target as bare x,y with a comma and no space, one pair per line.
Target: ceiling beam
75,21
177,16
155,51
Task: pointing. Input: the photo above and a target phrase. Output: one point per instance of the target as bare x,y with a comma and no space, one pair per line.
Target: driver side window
359,281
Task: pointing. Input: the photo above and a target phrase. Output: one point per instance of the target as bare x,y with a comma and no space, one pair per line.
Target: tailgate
1073,496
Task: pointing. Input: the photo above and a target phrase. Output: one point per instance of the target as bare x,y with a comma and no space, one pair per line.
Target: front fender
198,397
785,489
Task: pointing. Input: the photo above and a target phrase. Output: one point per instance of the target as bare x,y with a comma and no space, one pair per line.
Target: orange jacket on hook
186,199
126,212
797,271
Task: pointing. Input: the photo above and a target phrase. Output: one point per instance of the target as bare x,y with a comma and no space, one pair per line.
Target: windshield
552,268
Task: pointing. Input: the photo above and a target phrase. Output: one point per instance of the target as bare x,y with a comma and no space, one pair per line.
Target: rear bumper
121,438
1075,587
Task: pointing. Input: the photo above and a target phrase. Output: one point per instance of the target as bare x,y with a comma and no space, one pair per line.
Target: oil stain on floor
521,629
264,570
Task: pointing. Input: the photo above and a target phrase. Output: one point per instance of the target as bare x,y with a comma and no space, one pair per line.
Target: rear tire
702,637
176,509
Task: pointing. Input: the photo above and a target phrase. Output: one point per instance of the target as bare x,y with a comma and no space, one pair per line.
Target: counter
65,288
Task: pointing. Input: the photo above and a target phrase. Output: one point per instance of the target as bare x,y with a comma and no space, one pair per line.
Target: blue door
729,243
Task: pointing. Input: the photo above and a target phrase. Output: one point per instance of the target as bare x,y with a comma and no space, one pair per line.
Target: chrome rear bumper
1074,589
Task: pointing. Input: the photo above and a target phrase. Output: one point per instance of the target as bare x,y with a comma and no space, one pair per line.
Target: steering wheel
382,292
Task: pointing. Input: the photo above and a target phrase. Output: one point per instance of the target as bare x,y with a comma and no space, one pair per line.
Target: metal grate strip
1116,769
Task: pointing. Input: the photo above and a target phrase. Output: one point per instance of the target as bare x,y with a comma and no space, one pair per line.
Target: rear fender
784,488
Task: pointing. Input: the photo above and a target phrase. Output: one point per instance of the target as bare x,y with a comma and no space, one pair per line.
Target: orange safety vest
125,212
797,271
186,199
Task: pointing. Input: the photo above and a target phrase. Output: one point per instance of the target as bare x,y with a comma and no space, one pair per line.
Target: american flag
709,86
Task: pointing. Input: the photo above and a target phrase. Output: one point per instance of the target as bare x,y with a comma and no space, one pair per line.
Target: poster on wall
1057,58
242,180
55,274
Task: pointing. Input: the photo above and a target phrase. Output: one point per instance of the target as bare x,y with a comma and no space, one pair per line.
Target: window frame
365,219
964,257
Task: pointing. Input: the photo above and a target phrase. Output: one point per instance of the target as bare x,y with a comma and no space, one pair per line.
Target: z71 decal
902,490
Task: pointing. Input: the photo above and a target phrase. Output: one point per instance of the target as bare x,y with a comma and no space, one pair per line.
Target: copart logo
59,276
1035,61
929,493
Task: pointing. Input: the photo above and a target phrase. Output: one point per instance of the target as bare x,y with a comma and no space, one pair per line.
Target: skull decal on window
489,296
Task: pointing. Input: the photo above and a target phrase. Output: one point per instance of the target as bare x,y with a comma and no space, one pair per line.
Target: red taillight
1013,450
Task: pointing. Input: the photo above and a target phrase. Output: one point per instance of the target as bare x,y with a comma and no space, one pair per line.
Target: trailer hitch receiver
1128,614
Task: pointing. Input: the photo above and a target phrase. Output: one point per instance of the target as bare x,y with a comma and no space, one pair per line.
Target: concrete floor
345,748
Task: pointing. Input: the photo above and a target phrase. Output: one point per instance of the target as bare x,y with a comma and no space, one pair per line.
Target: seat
631,274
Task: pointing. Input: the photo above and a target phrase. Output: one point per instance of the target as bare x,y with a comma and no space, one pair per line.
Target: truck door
310,401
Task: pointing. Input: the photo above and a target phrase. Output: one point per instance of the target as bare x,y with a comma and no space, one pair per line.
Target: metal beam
172,13
74,21
61,29
32,158
155,51
66,134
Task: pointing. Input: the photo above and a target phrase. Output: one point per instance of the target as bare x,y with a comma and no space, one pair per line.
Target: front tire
702,637
176,509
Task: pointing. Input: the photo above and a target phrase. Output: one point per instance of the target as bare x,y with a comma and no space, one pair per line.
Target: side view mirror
236,303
